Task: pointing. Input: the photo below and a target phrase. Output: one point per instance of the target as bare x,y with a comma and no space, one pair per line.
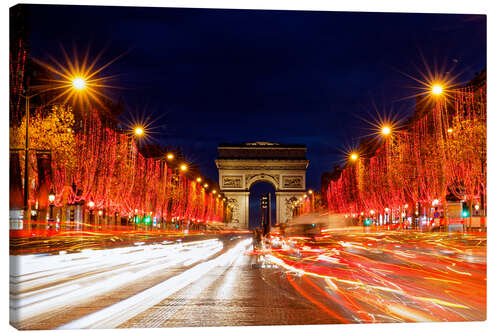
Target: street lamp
354,156
386,130
52,198
183,167
79,83
170,156
437,89
91,205
205,185
198,179
139,131
310,191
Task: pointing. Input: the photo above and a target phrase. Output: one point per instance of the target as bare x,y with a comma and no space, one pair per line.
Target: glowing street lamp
437,89
79,83
354,156
310,192
183,167
214,191
91,205
52,197
138,131
198,179
386,130
170,156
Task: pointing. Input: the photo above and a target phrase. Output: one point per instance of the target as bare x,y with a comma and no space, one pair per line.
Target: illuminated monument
242,165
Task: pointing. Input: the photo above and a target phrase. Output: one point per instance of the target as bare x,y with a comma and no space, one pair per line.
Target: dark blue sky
284,76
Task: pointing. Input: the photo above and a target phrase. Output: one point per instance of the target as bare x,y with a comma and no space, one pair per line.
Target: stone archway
242,165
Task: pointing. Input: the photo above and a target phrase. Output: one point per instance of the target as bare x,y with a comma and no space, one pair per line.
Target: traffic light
465,210
264,203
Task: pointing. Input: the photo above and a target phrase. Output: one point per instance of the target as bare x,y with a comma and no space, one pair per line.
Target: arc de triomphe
242,165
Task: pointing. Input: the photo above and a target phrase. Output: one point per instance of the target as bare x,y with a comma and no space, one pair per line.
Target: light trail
45,283
122,311
405,277
350,277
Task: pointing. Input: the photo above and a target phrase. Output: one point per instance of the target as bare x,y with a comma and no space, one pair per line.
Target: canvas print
174,167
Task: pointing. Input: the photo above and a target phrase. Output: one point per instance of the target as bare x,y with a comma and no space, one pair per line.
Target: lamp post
438,90
78,83
181,168
52,198
91,205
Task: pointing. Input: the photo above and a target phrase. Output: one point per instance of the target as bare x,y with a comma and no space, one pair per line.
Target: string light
385,178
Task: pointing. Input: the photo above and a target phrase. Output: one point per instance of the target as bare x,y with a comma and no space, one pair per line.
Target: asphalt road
221,281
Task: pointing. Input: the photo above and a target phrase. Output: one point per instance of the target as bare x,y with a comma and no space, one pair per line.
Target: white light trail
122,311
44,283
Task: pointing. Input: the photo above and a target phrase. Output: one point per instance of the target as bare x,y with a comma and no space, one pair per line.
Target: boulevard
225,279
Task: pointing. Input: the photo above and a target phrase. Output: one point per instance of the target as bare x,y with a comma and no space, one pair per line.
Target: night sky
212,76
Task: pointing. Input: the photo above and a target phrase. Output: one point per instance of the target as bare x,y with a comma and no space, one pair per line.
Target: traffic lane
48,290
389,276
248,292
72,241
